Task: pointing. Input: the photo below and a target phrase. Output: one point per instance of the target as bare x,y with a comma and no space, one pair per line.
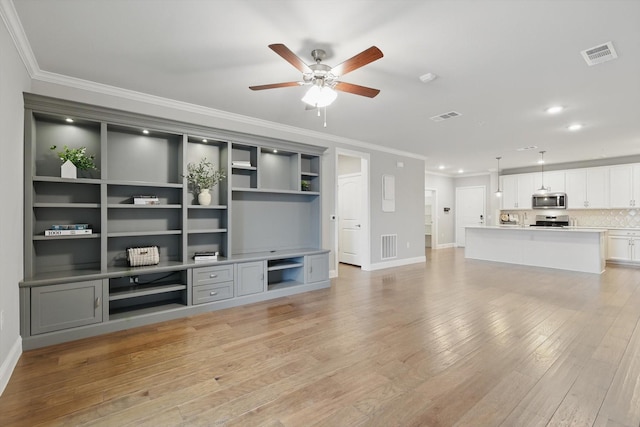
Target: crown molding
14,26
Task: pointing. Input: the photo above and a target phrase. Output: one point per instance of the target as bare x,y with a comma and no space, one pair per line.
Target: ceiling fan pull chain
325,116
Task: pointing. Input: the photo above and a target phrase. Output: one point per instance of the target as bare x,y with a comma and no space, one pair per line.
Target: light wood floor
452,342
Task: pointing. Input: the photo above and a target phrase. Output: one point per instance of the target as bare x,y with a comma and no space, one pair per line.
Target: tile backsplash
606,218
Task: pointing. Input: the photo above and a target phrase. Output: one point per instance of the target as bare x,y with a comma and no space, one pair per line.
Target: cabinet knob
213,276
212,293
98,301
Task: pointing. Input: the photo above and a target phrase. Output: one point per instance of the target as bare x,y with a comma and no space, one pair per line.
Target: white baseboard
333,274
446,245
9,364
395,263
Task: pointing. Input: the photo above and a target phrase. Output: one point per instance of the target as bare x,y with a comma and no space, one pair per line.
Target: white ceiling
499,64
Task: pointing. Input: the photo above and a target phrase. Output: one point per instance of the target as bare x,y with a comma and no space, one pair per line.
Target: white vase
68,170
204,198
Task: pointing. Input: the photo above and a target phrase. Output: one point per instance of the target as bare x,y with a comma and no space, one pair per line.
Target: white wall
14,79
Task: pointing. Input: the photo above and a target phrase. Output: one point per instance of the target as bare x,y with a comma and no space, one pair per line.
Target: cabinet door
509,185
554,181
619,248
621,186
635,202
634,251
317,268
597,188
250,278
65,306
576,188
526,188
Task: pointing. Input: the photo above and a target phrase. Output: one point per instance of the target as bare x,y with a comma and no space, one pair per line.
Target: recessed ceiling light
575,127
204,140
555,109
275,151
540,161
146,132
441,167
69,120
460,170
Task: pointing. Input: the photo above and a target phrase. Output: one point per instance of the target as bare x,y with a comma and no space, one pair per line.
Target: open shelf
79,236
144,309
283,285
283,265
143,290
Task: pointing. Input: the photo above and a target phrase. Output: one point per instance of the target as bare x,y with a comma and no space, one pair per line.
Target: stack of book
146,200
205,256
68,230
241,164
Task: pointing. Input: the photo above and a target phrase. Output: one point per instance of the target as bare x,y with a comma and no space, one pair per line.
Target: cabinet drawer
210,293
210,275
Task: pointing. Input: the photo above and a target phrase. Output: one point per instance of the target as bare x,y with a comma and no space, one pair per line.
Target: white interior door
350,219
470,210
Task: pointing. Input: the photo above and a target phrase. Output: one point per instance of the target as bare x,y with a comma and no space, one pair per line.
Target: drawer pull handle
213,276
212,293
98,301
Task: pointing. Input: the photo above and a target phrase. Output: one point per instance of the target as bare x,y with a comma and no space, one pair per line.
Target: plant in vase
73,159
201,177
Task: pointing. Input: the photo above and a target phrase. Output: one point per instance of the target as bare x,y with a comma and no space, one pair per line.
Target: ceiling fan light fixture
320,96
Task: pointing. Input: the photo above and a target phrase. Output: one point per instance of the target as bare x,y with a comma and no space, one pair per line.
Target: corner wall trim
9,364
395,263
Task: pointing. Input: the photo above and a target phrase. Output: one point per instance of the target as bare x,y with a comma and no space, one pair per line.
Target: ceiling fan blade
357,89
360,60
274,85
290,57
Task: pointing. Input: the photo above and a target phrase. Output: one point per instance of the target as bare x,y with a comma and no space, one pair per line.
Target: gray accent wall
409,200
14,79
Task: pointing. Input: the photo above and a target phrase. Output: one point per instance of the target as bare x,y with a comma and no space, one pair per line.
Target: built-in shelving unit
263,221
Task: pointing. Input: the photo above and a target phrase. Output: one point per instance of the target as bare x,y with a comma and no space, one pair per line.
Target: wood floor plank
448,342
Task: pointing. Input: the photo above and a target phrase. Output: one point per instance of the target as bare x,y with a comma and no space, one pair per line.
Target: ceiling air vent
599,54
445,116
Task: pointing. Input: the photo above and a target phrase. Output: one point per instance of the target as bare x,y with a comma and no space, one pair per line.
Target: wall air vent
599,54
389,246
445,116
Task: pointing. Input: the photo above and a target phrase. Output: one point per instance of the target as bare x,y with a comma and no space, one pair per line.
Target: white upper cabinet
624,186
517,191
553,181
587,188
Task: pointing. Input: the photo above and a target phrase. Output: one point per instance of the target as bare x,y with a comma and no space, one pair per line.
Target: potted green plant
201,177
74,159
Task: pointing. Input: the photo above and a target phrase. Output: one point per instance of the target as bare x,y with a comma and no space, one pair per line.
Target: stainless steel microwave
549,201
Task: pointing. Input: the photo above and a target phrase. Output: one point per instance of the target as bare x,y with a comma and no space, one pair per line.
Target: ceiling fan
322,78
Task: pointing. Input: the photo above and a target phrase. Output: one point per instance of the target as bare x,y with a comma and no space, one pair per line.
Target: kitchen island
566,248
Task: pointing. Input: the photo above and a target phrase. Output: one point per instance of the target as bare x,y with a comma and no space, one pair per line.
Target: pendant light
498,191
542,188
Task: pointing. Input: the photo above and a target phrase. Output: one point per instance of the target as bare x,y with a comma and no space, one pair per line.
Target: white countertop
537,229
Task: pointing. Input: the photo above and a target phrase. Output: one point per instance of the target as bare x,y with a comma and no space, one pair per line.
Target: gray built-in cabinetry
264,221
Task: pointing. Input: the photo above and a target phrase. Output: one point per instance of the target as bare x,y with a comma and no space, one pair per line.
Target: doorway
470,210
352,207
430,218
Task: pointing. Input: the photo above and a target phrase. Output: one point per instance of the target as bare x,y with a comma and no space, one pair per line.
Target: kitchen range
551,221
